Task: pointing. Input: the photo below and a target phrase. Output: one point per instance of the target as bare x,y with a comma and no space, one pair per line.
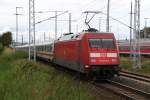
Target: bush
145,67
126,64
21,54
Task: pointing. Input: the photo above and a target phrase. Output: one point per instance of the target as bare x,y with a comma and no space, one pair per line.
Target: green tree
6,39
1,46
0,39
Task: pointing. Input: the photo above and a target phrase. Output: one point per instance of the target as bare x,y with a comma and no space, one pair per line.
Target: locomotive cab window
108,43
101,43
95,43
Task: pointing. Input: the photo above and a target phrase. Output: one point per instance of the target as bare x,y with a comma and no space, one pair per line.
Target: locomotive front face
102,51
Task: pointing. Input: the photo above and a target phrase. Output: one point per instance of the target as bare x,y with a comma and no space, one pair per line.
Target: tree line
5,40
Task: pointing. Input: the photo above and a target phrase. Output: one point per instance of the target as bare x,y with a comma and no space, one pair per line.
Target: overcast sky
119,9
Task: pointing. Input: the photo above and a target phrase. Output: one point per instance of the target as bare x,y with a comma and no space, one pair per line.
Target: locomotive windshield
101,43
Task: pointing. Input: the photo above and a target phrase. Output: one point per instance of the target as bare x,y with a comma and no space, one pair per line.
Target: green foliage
21,79
1,48
6,39
126,64
145,67
0,39
21,54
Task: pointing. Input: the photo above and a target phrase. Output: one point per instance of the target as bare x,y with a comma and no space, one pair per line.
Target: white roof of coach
37,44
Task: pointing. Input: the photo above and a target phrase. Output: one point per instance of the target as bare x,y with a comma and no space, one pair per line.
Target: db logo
64,52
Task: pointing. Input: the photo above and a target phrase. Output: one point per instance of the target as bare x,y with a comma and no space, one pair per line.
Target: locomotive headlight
87,66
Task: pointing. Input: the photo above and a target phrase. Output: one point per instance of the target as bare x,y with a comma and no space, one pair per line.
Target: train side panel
67,54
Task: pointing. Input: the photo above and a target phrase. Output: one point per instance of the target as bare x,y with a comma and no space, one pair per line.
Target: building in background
145,33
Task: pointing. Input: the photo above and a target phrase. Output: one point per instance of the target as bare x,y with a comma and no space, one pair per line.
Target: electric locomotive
91,53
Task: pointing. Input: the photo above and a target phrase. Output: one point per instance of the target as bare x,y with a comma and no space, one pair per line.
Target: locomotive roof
71,36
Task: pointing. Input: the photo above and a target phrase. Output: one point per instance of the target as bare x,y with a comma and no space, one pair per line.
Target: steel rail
140,92
121,94
135,76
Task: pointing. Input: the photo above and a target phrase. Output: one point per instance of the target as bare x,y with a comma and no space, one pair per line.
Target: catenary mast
32,28
136,44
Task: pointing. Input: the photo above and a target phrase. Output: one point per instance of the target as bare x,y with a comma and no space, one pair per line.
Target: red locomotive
89,52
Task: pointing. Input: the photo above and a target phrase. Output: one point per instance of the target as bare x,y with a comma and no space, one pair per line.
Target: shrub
126,64
145,67
20,54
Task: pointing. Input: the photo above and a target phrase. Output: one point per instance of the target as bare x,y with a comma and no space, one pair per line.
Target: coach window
47,48
44,48
36,48
41,49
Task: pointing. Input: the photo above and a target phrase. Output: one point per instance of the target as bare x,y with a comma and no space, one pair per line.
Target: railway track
135,76
124,91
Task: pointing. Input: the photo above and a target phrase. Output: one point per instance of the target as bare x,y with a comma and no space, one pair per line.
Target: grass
126,64
21,79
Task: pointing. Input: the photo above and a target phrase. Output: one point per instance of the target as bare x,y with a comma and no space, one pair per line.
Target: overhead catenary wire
93,1
51,17
55,16
118,21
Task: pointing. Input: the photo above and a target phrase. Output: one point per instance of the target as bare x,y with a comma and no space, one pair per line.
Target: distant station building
145,33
